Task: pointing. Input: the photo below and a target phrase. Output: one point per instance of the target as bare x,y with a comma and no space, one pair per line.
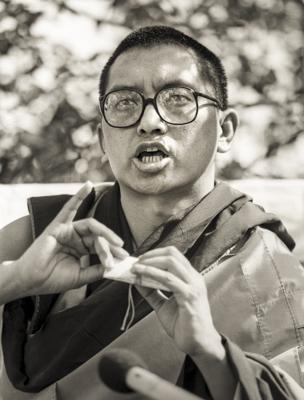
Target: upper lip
151,146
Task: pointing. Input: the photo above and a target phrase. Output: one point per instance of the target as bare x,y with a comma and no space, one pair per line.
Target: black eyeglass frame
152,100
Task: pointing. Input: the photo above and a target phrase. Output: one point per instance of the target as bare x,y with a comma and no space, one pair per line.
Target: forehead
154,67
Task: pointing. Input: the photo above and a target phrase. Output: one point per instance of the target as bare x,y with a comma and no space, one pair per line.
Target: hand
52,263
186,316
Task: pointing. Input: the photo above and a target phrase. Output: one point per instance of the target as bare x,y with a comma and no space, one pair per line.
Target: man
165,115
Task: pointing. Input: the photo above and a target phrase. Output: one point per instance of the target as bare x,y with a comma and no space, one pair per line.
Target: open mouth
151,156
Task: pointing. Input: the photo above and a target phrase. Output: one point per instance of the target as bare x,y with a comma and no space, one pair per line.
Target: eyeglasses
123,108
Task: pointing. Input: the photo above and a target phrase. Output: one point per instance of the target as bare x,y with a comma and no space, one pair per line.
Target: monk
231,309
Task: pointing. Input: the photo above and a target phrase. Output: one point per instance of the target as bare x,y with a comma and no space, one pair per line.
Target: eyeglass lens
123,107
175,105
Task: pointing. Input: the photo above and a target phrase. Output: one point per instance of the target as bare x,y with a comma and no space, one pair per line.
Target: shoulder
266,259
266,242
15,238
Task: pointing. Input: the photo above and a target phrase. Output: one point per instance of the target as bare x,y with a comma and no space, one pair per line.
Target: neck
146,212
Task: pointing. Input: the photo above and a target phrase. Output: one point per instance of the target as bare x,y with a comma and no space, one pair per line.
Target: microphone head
114,366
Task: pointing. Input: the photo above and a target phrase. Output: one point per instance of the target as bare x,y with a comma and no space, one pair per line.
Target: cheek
110,146
200,136
118,150
113,141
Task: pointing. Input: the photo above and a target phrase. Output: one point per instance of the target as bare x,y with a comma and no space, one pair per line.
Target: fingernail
88,185
118,241
122,251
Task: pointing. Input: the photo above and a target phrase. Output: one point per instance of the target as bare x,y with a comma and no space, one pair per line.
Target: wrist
211,349
11,287
214,362
20,285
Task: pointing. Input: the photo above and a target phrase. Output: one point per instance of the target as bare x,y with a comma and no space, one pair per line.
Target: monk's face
189,149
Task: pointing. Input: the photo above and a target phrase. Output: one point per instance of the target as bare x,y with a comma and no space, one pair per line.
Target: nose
151,123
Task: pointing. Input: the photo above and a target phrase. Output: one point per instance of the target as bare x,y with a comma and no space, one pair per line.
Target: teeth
151,159
149,149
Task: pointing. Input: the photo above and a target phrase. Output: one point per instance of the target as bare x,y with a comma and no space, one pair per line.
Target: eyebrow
177,82
163,85
121,87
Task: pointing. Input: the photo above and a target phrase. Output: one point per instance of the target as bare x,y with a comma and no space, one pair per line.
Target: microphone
125,372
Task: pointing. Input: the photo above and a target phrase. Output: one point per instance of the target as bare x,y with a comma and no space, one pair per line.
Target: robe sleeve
257,378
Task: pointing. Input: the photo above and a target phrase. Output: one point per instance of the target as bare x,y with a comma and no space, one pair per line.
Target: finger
73,251
169,280
170,263
68,238
91,226
102,249
88,242
155,252
170,251
69,210
90,274
119,252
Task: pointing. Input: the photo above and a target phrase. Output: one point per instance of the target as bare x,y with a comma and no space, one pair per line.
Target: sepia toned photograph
152,199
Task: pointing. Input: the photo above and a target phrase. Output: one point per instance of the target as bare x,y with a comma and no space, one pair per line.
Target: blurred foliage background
52,53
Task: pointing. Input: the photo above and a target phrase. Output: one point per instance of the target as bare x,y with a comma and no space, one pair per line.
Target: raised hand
186,316
53,262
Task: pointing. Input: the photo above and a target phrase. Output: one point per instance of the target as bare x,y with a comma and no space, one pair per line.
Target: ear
229,121
104,157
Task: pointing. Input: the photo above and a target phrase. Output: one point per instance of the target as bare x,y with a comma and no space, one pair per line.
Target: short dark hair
210,65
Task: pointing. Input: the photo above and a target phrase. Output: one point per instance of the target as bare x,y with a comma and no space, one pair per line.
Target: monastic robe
254,286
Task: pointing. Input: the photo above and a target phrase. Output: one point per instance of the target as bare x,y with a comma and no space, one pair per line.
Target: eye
178,99
122,101
125,104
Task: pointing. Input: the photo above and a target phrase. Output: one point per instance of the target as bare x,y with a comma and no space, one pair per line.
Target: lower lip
152,167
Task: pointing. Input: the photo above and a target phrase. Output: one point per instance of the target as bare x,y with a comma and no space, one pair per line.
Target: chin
151,186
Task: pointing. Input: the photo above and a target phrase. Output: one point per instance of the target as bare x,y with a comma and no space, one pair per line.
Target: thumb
69,210
91,274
